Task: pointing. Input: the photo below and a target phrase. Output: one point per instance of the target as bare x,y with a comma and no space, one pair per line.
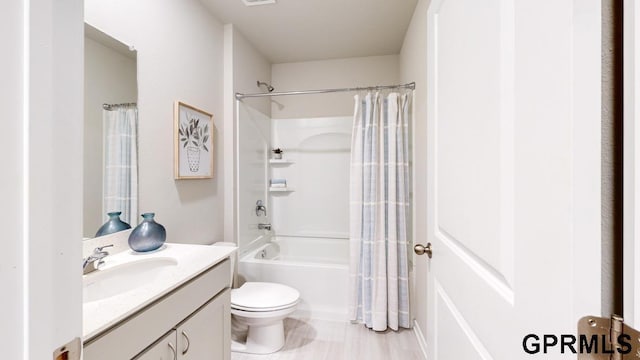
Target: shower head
262,83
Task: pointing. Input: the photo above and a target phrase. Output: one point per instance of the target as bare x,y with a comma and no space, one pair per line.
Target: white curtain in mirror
379,206
120,185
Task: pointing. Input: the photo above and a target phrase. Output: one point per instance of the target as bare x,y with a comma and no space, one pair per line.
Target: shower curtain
120,182
379,205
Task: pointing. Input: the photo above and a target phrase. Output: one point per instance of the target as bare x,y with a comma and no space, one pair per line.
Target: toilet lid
263,295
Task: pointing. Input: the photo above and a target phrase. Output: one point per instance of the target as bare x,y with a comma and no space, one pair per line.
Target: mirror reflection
110,151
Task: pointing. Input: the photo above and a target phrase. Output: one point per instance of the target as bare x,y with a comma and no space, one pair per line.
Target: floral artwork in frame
193,142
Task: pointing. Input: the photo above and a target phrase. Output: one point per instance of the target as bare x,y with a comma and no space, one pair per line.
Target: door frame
631,163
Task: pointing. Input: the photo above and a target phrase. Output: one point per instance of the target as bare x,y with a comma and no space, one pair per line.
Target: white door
514,174
41,190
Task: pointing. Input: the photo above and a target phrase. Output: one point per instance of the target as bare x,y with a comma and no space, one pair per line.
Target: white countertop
192,261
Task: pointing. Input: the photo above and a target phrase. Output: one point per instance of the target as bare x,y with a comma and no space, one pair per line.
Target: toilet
260,308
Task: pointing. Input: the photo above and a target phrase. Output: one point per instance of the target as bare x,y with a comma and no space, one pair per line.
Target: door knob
420,249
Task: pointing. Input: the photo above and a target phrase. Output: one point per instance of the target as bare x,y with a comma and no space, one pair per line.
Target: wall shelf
281,189
280,161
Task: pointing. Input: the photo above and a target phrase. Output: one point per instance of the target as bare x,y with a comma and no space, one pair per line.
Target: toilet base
265,339
264,330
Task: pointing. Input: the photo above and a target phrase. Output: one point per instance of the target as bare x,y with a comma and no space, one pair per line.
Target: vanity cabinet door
206,335
163,349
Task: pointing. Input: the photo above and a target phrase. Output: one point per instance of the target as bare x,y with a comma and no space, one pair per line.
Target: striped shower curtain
379,205
120,183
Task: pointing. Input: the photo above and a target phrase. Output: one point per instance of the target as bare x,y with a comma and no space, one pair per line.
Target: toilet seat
263,309
263,297
259,316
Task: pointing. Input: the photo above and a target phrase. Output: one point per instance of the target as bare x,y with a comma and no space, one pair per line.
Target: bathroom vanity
171,304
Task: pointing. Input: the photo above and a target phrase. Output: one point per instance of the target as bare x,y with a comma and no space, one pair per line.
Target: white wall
180,57
320,149
244,65
413,67
327,74
41,94
249,66
109,77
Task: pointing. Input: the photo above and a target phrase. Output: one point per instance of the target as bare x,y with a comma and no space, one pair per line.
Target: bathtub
316,267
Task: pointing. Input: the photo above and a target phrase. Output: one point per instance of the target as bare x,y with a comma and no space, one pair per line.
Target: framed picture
193,142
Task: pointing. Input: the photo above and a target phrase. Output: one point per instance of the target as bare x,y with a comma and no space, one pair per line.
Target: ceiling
303,30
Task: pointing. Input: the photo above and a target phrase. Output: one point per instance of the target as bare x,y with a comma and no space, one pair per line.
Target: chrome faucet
93,261
264,226
260,208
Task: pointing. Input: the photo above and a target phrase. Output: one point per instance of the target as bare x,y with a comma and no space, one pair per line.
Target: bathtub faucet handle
264,226
260,208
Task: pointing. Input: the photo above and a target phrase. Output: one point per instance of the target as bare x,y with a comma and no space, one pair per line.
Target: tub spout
264,226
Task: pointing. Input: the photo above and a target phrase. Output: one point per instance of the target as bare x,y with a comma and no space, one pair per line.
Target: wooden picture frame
193,142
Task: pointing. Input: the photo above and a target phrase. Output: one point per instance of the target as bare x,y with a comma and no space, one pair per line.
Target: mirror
110,131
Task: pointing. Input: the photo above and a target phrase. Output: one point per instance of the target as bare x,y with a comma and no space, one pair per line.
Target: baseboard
320,314
420,337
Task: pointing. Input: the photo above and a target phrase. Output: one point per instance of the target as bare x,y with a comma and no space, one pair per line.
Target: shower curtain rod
111,106
411,86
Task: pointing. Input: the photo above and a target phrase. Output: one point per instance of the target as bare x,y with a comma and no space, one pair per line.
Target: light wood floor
331,340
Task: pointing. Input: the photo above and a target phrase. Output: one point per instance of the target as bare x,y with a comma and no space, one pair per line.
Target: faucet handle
91,262
99,251
260,208
100,248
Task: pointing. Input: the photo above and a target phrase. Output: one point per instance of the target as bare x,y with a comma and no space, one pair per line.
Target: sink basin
119,279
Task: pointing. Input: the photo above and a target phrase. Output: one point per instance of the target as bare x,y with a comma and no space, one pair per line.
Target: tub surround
192,260
319,150
316,267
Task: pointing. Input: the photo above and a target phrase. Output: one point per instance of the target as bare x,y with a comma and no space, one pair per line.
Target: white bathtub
317,267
